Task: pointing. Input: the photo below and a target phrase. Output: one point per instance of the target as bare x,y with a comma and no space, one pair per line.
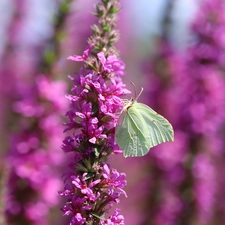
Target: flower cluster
92,186
208,29
165,162
95,104
204,109
189,90
33,158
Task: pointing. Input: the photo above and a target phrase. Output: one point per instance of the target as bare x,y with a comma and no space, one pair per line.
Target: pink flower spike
95,104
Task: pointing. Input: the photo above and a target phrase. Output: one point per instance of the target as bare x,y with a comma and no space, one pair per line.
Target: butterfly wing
122,135
159,129
140,128
131,133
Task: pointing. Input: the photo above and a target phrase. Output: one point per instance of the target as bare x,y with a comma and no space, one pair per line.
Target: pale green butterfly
139,128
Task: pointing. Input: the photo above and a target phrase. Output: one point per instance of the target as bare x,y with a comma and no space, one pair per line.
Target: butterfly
140,128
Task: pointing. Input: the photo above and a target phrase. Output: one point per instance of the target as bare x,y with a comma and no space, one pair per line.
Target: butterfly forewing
159,128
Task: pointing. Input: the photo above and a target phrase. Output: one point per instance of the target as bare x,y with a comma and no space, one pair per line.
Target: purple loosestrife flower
166,161
194,103
32,180
115,219
92,186
22,49
33,159
205,112
208,29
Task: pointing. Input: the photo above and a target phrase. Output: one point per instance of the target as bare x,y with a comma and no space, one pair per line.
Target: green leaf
98,216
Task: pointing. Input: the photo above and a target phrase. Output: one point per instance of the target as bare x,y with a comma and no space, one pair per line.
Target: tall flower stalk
91,185
32,182
204,116
32,161
189,90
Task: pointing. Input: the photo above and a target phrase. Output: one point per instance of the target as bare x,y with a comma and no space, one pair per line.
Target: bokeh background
174,49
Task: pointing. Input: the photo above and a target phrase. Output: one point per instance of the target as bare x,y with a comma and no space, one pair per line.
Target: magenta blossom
115,219
92,187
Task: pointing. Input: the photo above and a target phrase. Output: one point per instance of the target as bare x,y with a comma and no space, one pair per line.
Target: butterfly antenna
140,93
135,93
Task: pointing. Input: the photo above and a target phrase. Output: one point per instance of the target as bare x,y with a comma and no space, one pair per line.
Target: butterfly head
133,100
